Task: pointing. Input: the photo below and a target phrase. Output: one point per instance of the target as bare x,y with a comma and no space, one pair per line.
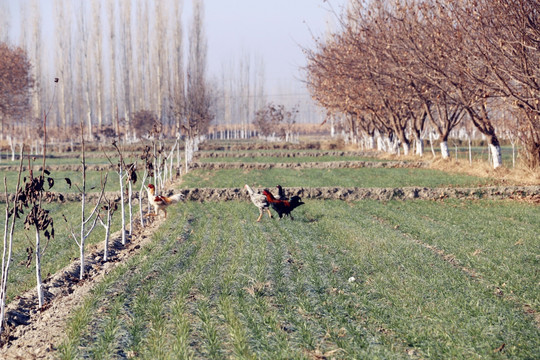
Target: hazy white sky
274,30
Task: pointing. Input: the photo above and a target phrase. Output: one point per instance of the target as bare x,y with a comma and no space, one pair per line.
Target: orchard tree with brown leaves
442,61
275,119
16,84
142,122
504,58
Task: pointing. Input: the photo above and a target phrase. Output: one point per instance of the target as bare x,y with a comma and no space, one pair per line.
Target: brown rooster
283,207
160,202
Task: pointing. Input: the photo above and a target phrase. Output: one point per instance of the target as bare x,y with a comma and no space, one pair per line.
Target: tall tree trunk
495,149
39,282
113,72
82,238
445,153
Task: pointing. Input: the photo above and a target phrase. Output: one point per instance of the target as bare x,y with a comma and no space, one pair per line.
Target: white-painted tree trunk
431,144
380,144
141,210
371,142
6,262
393,146
107,227
12,147
39,282
513,154
495,155
420,147
130,193
445,153
123,215
187,154
83,239
406,148
178,158
470,150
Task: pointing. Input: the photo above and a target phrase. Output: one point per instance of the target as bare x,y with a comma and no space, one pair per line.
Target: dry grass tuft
258,288
519,175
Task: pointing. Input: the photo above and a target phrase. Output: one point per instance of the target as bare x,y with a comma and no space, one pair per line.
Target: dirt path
32,334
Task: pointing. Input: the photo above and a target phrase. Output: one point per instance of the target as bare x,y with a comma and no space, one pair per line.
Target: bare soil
31,332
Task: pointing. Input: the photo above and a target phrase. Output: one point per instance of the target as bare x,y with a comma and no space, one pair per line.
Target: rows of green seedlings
340,281
75,177
60,251
498,239
75,158
361,177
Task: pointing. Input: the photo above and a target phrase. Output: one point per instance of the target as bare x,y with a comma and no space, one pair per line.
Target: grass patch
93,181
498,239
92,158
215,284
362,177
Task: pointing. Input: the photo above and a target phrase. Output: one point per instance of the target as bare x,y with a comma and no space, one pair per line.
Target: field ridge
526,193
243,165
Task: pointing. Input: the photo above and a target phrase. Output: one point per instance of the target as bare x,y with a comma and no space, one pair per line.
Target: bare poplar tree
4,22
177,85
127,61
193,111
98,73
35,51
85,69
144,57
62,56
112,68
160,58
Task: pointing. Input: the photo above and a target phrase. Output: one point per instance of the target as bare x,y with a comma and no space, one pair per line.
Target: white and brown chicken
260,201
160,202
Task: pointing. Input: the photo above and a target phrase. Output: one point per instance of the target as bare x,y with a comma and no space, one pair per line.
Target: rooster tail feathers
249,190
176,198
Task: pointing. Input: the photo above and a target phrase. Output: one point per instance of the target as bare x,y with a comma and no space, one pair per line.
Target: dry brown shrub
520,175
333,144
